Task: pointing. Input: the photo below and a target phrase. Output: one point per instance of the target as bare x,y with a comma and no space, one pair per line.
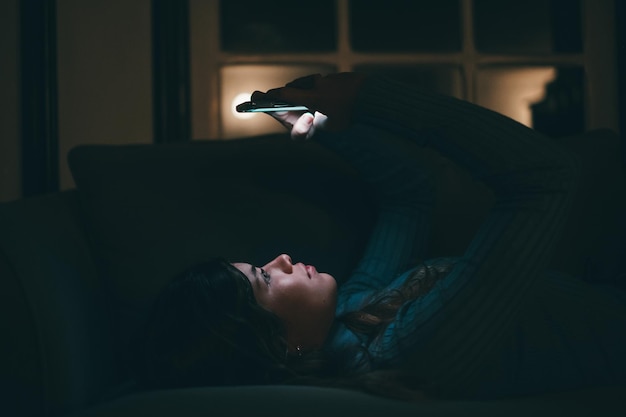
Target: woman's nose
283,262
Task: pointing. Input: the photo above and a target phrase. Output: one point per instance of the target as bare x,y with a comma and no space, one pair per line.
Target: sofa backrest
155,210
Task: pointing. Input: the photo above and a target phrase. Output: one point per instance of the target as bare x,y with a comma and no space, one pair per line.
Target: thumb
303,127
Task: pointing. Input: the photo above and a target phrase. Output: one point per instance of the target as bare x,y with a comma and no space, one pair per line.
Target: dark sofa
80,268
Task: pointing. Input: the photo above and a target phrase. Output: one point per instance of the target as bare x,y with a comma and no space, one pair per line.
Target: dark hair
206,328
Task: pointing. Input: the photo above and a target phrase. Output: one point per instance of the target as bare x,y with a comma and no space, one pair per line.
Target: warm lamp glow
512,91
240,98
235,79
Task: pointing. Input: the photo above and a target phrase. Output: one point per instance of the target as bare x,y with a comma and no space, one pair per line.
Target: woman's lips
310,270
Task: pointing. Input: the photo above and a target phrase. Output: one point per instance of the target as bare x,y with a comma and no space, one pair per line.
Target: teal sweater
497,324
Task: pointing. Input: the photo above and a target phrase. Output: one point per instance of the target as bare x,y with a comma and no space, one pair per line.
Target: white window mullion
597,59
600,65
469,49
205,63
344,49
215,126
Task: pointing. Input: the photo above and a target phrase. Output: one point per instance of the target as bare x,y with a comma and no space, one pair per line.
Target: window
530,59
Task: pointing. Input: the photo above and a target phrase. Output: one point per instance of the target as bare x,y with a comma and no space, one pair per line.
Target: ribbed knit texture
460,337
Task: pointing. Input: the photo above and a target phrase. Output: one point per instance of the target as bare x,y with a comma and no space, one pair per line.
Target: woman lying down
489,324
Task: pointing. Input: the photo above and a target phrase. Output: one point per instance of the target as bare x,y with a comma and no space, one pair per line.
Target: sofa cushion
287,401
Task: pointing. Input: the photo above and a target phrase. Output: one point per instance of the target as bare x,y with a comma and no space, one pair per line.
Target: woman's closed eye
266,276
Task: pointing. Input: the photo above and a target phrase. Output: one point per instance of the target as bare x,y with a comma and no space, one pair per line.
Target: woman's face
303,298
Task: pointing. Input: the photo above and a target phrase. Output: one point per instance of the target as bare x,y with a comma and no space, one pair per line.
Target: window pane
239,81
529,26
444,79
277,26
405,25
562,111
549,99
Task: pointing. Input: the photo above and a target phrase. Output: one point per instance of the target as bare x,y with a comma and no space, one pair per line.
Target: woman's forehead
245,268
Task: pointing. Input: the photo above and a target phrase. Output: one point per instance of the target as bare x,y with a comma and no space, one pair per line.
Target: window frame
598,59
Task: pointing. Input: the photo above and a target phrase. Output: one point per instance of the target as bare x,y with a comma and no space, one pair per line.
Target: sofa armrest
60,356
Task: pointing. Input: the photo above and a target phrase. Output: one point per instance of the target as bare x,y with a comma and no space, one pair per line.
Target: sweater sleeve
448,335
404,193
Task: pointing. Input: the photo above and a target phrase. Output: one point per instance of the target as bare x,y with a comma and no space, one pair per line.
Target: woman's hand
330,98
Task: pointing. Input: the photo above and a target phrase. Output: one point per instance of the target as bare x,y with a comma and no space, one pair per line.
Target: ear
303,338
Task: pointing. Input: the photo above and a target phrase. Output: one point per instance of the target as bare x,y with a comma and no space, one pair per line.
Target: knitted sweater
497,324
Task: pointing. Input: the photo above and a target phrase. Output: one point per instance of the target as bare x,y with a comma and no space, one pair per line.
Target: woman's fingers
332,95
300,124
290,95
307,124
303,127
287,119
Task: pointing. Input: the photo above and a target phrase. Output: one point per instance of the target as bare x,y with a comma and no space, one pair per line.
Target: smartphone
267,107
